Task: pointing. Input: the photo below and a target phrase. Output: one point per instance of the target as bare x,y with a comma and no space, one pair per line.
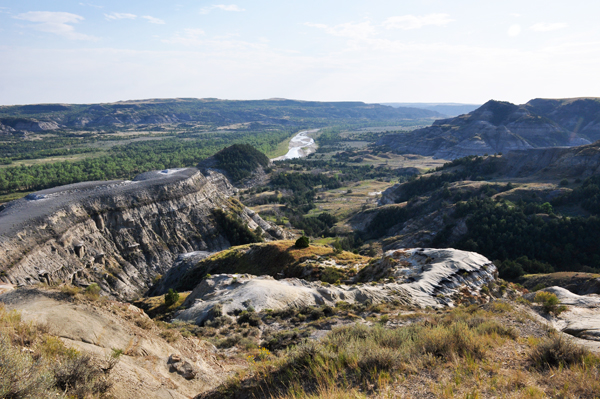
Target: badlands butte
409,256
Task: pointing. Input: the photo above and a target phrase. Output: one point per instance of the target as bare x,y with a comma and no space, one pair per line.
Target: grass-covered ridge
278,259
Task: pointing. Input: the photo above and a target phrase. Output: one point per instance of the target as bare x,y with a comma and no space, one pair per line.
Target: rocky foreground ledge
416,277
119,234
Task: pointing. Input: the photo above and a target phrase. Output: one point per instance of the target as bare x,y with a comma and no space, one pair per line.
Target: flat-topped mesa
119,234
415,277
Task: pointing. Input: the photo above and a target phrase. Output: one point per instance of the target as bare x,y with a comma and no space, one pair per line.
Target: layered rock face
119,234
418,277
579,115
26,124
495,127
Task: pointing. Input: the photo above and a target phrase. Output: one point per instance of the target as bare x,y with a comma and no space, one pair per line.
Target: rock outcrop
417,277
495,127
28,124
582,317
119,234
150,366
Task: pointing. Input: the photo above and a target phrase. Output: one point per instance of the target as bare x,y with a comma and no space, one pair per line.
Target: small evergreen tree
302,242
171,297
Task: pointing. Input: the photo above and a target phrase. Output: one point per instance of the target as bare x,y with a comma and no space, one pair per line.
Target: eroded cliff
119,234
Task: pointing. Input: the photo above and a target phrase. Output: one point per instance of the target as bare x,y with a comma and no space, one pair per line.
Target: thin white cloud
546,27
153,20
231,7
189,37
117,15
408,22
223,7
514,30
361,30
516,15
90,5
58,23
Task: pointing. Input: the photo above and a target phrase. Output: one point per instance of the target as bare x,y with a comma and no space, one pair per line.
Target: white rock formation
420,277
582,317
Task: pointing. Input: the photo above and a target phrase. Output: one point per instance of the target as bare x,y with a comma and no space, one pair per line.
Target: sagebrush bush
21,376
92,291
550,302
81,376
556,351
70,290
34,364
251,318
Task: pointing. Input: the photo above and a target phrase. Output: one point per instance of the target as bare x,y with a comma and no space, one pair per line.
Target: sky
465,51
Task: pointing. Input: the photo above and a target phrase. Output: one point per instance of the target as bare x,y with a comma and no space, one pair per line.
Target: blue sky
351,50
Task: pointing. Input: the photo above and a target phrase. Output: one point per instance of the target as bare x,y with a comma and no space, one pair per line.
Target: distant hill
499,126
578,115
211,112
448,109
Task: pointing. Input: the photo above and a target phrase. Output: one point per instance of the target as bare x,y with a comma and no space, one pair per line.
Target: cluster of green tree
55,152
236,231
588,195
350,242
240,160
12,150
131,159
508,233
314,226
304,188
386,218
470,168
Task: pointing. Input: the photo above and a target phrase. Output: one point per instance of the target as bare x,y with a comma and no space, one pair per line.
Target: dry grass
469,352
34,364
155,306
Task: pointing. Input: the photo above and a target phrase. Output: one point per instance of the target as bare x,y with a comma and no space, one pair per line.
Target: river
300,146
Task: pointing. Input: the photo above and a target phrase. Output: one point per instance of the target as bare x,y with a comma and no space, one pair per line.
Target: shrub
34,364
218,322
171,297
249,317
92,291
263,354
550,302
556,351
21,376
70,290
144,322
170,335
81,377
302,242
